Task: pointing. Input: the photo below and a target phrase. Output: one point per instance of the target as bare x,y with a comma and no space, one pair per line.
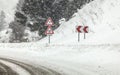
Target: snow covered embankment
103,19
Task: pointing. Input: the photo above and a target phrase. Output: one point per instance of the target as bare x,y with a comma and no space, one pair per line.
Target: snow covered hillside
103,19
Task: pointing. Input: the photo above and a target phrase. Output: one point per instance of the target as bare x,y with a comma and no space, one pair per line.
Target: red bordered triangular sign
49,31
49,22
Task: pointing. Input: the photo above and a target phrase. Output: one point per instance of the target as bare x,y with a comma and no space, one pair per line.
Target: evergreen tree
18,27
2,20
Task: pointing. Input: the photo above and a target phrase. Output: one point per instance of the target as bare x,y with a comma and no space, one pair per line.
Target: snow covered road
4,69
67,60
12,67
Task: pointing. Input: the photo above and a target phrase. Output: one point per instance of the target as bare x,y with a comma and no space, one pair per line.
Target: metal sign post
85,29
49,39
78,36
84,35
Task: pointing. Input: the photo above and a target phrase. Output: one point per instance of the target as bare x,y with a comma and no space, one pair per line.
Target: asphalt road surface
13,67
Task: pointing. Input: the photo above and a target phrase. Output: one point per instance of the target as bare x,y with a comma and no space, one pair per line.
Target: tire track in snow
25,69
11,68
5,70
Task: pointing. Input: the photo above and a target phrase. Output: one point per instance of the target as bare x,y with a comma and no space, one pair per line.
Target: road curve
5,69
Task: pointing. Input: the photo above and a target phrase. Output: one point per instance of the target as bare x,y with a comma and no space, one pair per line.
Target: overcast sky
8,6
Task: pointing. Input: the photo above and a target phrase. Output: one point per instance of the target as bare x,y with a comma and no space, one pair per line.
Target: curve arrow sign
85,29
79,29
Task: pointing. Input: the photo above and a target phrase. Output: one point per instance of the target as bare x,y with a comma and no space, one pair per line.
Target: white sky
8,6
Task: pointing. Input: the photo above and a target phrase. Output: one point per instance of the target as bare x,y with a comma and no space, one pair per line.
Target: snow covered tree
5,35
18,27
2,20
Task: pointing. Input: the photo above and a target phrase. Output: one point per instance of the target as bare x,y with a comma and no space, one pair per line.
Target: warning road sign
85,29
49,22
82,29
49,31
79,29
